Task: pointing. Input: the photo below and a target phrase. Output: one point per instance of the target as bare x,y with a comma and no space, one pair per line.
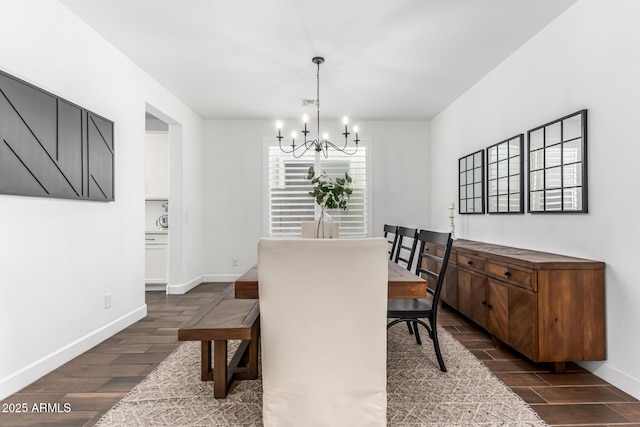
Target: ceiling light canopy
319,144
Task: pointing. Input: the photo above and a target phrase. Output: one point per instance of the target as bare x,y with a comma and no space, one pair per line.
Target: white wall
233,185
587,58
60,257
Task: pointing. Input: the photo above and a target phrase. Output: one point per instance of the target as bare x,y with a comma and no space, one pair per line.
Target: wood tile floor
93,382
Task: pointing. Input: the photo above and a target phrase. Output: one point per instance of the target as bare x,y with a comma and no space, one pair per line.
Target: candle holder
452,207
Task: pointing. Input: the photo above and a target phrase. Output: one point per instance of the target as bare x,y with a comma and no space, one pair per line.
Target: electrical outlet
234,262
107,301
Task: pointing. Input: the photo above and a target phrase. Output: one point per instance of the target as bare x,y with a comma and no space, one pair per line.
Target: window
287,199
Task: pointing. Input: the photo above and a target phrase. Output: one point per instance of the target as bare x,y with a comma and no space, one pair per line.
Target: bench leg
253,352
206,372
220,369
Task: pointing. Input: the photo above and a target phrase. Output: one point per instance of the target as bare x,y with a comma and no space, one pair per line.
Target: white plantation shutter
289,202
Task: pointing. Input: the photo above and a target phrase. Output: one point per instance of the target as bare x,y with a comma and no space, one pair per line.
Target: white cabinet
156,258
157,166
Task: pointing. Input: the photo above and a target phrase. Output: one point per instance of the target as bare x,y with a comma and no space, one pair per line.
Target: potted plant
329,194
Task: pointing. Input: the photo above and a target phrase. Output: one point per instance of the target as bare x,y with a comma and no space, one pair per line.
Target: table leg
220,369
206,373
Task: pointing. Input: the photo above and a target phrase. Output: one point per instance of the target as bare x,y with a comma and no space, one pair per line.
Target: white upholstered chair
310,228
323,319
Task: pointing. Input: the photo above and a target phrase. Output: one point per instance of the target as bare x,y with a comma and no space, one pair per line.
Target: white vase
324,226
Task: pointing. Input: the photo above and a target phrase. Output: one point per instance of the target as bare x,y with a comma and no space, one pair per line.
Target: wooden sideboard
548,307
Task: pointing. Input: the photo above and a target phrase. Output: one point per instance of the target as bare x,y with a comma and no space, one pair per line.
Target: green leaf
311,173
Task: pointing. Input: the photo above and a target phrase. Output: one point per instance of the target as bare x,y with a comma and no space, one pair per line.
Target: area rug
419,394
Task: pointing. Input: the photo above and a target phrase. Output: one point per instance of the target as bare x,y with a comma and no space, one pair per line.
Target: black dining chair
406,246
412,311
391,234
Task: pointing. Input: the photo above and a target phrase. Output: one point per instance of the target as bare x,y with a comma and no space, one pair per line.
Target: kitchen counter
157,231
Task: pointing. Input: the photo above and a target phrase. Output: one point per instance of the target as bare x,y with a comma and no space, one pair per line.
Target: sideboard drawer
519,276
471,262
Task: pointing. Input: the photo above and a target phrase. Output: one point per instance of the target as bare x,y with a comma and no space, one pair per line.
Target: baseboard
183,288
46,364
614,376
221,277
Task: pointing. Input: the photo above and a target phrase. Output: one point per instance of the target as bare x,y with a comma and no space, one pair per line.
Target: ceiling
251,59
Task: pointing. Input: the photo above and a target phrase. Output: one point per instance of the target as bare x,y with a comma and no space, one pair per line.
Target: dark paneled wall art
50,147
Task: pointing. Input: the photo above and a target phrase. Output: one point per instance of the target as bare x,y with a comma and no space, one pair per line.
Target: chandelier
320,145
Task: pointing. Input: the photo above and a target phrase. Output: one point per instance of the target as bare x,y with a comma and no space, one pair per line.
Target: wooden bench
222,321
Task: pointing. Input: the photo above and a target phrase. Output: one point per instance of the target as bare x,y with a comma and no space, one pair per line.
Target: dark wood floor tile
134,331
622,394
182,318
528,395
578,414
94,358
464,337
468,328
190,313
92,401
572,378
630,411
49,384
70,419
577,394
168,331
163,348
155,324
478,345
122,348
150,368
139,358
145,339
520,379
31,398
97,371
480,354
513,366
124,384
503,354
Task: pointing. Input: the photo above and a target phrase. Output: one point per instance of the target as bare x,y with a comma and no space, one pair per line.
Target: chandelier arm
295,148
343,149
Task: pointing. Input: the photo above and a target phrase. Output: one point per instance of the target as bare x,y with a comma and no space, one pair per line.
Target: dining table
402,283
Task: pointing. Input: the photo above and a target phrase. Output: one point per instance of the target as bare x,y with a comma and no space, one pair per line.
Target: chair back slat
406,247
430,267
391,234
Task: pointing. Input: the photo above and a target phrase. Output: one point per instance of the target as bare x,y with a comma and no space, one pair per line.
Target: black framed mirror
505,183
558,165
471,183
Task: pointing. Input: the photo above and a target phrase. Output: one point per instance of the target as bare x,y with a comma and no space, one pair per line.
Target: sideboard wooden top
525,257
